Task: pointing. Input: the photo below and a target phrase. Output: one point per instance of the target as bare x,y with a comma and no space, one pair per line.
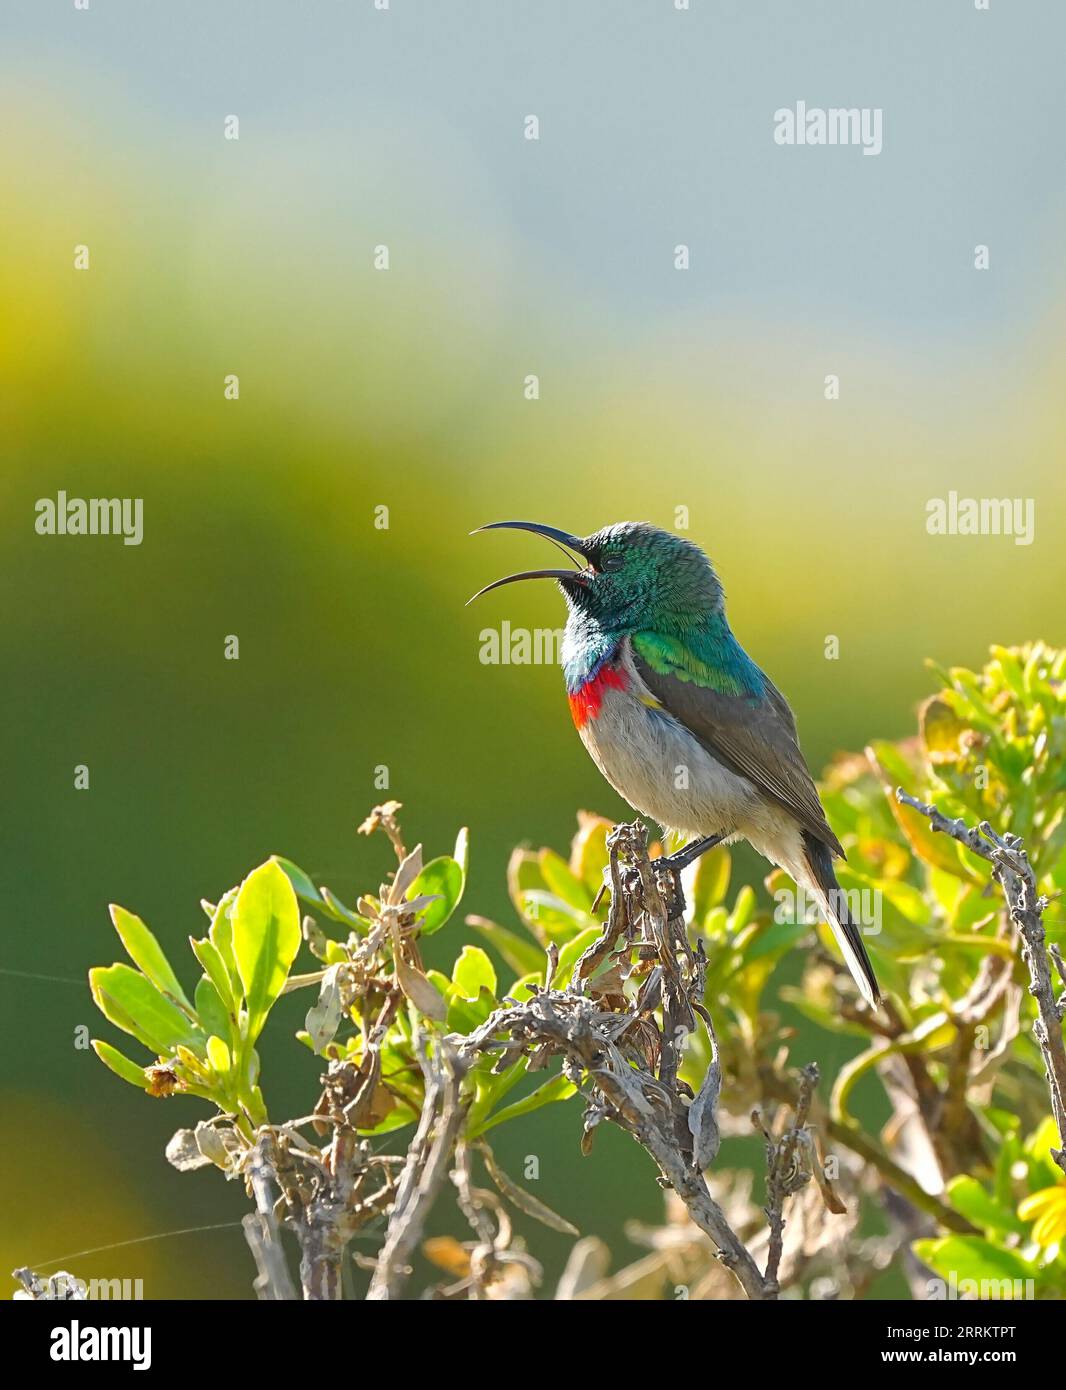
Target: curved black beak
558,538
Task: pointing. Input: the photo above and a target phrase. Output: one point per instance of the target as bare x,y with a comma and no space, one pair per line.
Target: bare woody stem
425,1170
261,1229
850,1136
1025,907
785,1169
606,1050
626,1064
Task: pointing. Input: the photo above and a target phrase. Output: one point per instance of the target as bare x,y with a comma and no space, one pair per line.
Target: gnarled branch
1025,907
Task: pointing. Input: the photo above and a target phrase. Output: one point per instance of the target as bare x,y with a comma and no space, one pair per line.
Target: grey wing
755,738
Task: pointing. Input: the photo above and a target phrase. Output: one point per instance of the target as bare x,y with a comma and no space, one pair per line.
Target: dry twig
627,1061
426,1167
1025,906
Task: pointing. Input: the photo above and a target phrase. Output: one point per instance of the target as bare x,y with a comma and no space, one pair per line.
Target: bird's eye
611,562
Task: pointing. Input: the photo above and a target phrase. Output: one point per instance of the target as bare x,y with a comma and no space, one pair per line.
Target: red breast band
586,700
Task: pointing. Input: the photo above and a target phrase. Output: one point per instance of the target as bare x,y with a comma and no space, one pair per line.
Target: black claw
684,857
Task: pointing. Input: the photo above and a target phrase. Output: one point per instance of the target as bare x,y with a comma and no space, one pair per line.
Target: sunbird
679,719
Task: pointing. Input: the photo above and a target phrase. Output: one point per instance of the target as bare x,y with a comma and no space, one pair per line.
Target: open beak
562,539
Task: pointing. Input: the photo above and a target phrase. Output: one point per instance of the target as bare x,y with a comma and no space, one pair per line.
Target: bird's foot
692,851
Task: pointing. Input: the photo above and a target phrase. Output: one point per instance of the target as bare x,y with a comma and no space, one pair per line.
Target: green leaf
956,1258
817,1013
132,1003
210,1009
145,951
445,878
340,913
934,1031
521,955
589,856
492,1087
209,956
464,1015
911,904
558,1088
401,1115
932,847
1004,1177
551,918
336,954
120,1065
220,934
252,1102
967,1196
321,898
743,909
773,939
523,873
709,882
563,882
266,938
889,764
1043,1172
218,1055
302,883
473,972
571,953
526,986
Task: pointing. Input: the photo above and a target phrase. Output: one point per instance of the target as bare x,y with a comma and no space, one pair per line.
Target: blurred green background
360,388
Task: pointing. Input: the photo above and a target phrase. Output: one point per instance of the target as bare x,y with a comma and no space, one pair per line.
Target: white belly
663,772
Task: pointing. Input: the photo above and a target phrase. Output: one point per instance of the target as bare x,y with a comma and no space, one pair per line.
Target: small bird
677,716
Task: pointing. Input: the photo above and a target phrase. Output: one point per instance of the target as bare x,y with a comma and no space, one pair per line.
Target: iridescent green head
635,576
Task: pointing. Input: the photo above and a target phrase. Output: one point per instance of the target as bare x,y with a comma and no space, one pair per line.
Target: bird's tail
822,882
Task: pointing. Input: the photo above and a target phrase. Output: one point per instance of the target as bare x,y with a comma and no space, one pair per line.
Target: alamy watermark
65,1287
91,516
953,1288
982,516
77,1343
861,905
837,125
520,646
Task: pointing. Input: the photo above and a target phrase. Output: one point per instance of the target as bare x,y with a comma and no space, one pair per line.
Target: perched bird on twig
678,717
